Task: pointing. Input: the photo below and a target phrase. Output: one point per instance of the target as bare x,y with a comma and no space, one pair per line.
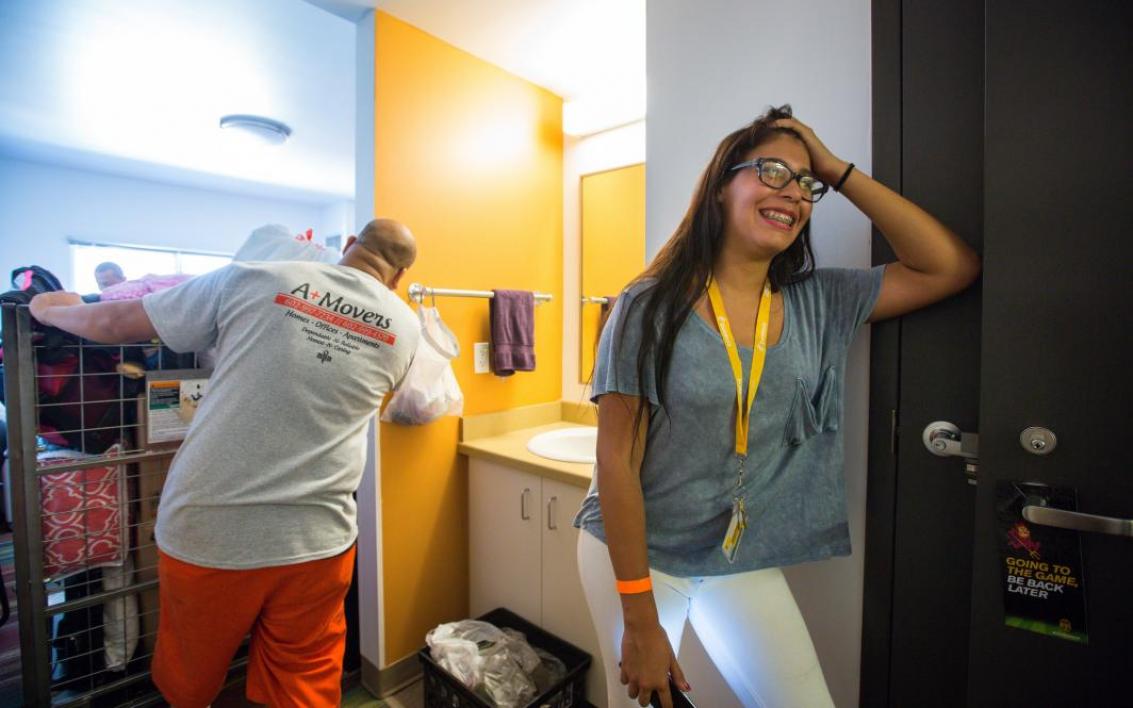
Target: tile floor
412,696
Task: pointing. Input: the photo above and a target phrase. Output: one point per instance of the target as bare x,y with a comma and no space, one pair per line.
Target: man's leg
295,658
205,614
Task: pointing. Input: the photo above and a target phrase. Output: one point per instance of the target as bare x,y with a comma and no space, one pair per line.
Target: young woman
719,391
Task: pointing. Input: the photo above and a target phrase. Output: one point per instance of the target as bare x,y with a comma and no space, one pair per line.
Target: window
137,261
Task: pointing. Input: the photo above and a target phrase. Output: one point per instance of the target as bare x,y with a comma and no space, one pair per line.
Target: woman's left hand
825,164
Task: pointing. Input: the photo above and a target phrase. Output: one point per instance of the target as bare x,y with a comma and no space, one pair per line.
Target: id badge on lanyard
736,528
738,523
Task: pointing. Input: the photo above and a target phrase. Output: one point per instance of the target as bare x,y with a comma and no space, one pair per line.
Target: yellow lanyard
758,355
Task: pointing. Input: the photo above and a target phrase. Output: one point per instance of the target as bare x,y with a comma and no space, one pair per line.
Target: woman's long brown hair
678,276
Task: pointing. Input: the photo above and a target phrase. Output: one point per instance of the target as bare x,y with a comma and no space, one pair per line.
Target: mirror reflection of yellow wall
613,245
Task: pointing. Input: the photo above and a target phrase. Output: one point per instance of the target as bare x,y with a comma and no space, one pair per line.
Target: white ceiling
590,52
352,10
138,87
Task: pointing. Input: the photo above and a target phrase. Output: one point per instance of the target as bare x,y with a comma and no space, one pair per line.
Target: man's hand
41,304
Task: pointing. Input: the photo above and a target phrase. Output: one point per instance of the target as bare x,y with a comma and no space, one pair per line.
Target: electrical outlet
480,358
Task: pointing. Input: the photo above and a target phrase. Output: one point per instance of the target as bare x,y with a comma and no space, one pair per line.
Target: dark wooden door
1057,349
1012,122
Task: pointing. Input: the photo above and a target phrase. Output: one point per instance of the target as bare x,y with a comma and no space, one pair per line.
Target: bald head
391,241
384,249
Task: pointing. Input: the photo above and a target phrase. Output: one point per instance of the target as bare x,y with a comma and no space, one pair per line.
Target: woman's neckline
786,331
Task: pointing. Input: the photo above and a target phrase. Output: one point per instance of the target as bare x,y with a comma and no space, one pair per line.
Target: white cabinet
523,556
565,613
505,545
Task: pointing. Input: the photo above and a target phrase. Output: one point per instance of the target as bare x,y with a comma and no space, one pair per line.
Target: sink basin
566,445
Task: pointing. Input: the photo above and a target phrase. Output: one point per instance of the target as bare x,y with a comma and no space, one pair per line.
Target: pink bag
134,289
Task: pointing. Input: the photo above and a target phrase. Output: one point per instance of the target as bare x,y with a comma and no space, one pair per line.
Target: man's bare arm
119,322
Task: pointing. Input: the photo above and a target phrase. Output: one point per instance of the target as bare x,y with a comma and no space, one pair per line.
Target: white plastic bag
120,618
506,668
430,389
275,243
455,654
495,663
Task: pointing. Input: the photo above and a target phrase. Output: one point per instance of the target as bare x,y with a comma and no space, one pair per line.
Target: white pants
748,622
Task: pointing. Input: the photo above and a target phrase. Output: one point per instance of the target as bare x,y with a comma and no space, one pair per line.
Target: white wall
607,150
371,594
337,218
713,66
41,206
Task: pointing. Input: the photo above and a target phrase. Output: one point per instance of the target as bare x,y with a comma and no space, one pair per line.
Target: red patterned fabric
84,515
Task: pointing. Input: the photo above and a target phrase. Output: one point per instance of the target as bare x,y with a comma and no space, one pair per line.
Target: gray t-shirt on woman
305,353
793,486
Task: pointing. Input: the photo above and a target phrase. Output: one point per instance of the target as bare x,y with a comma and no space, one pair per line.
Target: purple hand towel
511,314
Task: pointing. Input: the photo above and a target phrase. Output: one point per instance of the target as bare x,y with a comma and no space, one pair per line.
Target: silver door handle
523,513
944,439
1077,521
551,524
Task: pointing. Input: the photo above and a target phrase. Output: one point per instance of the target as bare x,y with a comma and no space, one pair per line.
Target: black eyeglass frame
757,163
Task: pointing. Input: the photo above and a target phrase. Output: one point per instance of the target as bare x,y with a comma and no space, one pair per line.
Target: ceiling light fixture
269,131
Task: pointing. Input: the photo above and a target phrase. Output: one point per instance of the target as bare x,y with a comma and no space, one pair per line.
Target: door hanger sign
1043,578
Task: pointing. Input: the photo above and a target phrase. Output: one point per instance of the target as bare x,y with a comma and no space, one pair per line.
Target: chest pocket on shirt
814,413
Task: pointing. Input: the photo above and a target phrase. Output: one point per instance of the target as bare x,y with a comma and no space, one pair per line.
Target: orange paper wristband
633,587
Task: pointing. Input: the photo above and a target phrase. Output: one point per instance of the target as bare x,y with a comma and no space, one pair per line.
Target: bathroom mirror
613,247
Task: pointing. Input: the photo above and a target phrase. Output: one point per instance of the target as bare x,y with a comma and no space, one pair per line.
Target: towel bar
418,293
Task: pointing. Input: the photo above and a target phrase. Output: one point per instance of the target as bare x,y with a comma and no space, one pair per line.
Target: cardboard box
150,479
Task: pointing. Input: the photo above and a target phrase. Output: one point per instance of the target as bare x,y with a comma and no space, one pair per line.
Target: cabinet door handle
523,513
551,524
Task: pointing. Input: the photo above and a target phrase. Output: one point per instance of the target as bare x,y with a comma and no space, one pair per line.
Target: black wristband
845,176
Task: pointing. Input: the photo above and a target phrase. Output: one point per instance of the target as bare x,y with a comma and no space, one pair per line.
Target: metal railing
84,490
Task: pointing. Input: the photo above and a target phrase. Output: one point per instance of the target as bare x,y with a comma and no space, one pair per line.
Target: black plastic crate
444,691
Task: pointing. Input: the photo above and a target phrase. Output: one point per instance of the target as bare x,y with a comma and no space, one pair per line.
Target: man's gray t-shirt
793,486
304,354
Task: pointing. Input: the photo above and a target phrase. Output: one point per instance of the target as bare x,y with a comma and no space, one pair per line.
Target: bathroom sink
566,444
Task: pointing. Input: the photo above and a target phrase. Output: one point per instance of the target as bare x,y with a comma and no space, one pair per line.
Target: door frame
884,372
906,484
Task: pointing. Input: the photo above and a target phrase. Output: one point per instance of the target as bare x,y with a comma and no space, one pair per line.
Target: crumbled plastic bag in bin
456,654
498,664
550,672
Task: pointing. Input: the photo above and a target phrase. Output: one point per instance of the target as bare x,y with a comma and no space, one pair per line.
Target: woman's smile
779,218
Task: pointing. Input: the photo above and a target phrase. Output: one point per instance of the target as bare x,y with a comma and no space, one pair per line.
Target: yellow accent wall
613,245
470,158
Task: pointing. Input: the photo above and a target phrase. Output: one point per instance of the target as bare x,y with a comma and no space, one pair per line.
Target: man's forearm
93,322
104,322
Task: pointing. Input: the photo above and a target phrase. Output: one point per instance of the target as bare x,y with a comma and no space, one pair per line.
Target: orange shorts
293,612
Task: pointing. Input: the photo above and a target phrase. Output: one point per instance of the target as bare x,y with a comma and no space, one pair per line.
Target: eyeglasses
776,174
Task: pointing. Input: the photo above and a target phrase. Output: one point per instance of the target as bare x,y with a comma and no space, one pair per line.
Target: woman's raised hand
825,164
